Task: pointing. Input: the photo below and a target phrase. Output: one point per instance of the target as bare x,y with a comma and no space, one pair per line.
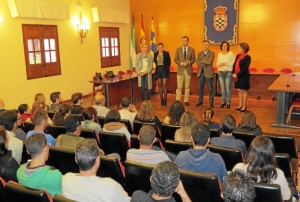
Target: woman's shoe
228,105
162,102
238,109
223,105
243,110
165,102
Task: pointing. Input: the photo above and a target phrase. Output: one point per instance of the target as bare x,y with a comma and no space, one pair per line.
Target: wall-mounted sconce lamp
83,27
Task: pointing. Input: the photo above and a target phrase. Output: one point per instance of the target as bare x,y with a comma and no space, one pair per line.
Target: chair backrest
267,192
3,194
245,136
25,155
51,114
231,156
128,125
137,125
28,126
214,132
284,144
63,160
101,120
61,198
114,143
18,192
176,147
55,131
168,132
284,163
86,133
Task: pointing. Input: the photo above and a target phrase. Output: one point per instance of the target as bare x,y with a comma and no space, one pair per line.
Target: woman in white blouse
225,62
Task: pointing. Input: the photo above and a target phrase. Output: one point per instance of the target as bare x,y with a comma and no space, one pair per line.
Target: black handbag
110,74
98,76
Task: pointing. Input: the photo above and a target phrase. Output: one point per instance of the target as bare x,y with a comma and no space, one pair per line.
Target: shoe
223,105
186,104
238,109
228,106
198,104
243,110
211,106
162,102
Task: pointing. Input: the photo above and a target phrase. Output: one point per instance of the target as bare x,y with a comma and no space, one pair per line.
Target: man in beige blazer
184,58
205,73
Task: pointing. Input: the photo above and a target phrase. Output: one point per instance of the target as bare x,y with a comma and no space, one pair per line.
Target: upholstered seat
168,132
55,131
176,147
267,192
128,125
245,136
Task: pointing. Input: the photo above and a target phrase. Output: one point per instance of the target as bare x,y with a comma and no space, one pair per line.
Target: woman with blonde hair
248,123
208,115
187,122
64,110
146,114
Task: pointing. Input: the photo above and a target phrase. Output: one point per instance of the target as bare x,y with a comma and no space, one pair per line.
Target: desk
284,85
117,87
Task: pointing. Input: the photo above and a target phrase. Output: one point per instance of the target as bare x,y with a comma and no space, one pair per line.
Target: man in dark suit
184,58
205,73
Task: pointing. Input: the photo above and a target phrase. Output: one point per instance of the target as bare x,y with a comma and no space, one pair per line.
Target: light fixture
83,27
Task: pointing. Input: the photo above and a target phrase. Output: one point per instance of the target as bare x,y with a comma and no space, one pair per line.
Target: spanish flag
142,35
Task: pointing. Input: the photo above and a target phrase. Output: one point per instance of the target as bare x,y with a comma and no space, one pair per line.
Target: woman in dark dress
162,61
241,75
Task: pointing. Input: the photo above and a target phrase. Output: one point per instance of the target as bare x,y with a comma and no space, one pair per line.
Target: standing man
143,65
205,73
184,58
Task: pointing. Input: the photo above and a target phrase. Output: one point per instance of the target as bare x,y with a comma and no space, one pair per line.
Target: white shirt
145,65
15,145
125,114
228,59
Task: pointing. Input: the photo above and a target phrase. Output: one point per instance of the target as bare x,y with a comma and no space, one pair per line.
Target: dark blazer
166,58
244,66
206,63
190,56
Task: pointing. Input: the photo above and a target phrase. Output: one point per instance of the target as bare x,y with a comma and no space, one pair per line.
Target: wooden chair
28,126
3,194
176,147
128,125
55,131
245,136
267,192
25,155
61,198
168,132
294,104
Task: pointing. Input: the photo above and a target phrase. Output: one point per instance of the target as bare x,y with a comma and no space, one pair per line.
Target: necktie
184,52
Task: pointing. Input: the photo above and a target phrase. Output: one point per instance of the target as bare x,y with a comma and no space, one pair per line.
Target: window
41,50
109,46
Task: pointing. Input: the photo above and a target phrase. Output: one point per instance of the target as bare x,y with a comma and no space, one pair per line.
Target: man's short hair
238,187
39,115
147,134
99,98
86,154
54,96
165,178
35,144
8,118
185,37
76,97
125,102
72,122
200,134
228,123
23,108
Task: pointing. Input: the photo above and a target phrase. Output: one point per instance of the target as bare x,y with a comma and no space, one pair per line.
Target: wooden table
284,85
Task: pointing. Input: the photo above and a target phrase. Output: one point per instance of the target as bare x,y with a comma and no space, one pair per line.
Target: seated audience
42,106
56,100
260,163
112,124
128,110
226,139
8,119
77,101
187,121
24,111
40,118
200,159
208,116
85,185
36,174
91,121
40,97
2,105
175,112
145,154
100,105
8,165
238,187
19,130
248,123
64,110
165,180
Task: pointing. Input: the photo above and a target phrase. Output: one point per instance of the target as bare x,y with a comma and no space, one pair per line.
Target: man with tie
184,58
205,73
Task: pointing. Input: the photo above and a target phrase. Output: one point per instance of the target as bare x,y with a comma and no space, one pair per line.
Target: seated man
77,101
145,154
238,187
36,174
56,101
8,119
100,105
165,180
85,185
40,120
226,139
200,159
128,110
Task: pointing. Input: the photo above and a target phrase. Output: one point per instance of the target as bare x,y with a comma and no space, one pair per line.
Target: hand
234,75
222,64
132,108
182,193
184,63
143,73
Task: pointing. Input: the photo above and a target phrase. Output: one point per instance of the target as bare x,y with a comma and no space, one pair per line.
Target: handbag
110,74
98,76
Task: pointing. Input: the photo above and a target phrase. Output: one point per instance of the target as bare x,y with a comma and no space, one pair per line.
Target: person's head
200,135
125,102
40,97
37,145
185,41
208,114
238,187
261,159
55,97
244,47
160,46
23,108
113,115
165,178
147,135
227,124
8,119
87,155
146,111
76,98
99,99
248,120
38,105
225,46
175,112
144,48
64,110
205,44
90,113
73,124
2,103
188,119
40,118
4,141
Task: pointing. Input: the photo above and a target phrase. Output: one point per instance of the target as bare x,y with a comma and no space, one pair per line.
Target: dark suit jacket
190,56
244,66
166,58
206,63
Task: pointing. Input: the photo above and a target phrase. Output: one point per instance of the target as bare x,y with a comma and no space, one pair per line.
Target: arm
137,59
182,193
176,58
231,59
193,58
198,62
168,59
208,60
155,58
245,67
218,60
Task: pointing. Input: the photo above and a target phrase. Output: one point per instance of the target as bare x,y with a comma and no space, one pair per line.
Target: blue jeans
225,80
201,80
145,87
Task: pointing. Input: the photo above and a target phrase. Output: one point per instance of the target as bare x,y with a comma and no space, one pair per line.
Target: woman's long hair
146,111
187,122
208,115
175,112
248,120
3,140
59,116
261,160
90,113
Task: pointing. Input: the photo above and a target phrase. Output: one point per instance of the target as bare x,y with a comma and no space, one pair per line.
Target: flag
132,47
142,35
152,41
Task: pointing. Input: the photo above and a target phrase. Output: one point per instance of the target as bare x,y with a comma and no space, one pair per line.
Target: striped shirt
147,156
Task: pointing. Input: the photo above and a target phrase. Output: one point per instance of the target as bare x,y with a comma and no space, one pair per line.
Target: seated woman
24,111
187,122
260,163
39,105
248,123
64,110
208,115
112,123
90,120
8,165
175,112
